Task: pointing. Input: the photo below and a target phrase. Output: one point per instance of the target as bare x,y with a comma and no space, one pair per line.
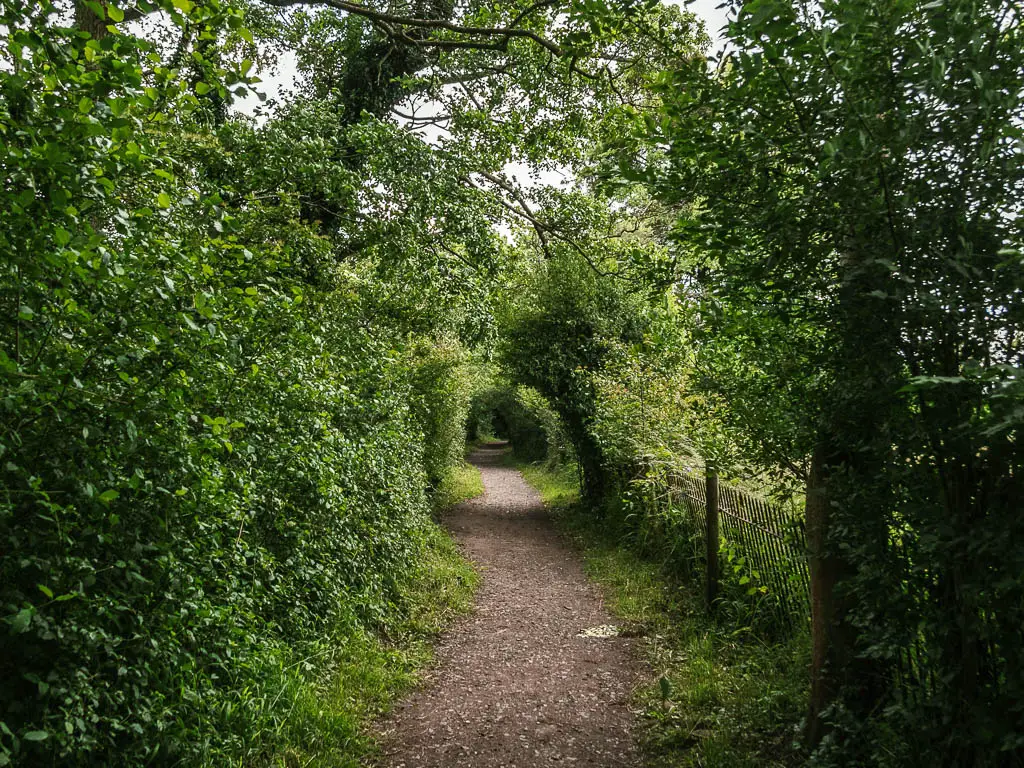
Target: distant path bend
514,685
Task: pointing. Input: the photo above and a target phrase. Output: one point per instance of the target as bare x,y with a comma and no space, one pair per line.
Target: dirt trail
515,686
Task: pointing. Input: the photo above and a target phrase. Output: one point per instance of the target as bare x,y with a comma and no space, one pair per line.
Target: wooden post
712,538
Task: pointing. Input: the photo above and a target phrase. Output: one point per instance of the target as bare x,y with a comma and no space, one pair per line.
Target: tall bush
213,462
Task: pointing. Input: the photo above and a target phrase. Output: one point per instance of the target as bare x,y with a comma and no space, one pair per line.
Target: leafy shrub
213,464
444,385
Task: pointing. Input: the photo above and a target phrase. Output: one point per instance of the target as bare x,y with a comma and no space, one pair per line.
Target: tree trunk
849,485
87,21
823,573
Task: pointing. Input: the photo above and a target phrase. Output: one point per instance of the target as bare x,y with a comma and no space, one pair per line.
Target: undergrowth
363,672
722,696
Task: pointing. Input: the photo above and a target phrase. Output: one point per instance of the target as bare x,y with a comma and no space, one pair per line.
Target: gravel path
515,685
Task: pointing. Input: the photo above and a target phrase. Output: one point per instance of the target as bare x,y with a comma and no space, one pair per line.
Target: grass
362,672
462,484
484,441
557,486
723,697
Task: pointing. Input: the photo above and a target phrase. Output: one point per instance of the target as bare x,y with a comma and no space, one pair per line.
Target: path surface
514,685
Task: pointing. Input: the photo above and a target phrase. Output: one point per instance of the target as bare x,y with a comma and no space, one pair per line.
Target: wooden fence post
712,537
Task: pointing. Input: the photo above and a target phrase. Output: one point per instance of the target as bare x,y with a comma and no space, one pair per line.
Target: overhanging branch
545,231
392,22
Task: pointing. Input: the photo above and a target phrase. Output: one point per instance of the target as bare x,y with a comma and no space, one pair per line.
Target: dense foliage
846,181
238,354
215,460
241,356
856,180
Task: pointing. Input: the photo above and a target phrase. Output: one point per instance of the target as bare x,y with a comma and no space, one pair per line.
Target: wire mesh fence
768,551
769,538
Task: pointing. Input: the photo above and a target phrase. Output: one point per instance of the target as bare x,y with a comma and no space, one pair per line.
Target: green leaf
115,14
22,619
36,736
202,88
45,590
85,105
163,200
666,687
108,496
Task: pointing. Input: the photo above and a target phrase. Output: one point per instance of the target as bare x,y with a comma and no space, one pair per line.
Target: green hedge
213,462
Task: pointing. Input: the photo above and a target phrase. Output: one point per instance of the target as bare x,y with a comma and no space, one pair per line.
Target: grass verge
461,484
363,672
723,696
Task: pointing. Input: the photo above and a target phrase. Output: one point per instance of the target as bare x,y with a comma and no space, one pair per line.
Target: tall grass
460,484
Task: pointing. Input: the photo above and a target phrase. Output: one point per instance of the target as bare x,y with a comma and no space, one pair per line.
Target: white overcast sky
713,16
282,78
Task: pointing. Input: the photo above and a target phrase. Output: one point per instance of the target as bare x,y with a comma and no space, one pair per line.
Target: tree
853,172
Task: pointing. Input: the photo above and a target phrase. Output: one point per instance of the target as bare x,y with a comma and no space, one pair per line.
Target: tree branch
471,77
523,210
381,17
421,121
544,230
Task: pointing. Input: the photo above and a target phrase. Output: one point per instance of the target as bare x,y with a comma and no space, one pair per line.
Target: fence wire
770,538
